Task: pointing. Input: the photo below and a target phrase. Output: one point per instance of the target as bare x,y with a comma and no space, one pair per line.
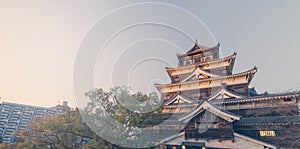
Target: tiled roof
270,120
197,48
173,122
259,97
206,62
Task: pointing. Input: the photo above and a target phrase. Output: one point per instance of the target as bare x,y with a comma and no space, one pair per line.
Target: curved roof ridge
253,71
197,46
205,63
262,97
254,140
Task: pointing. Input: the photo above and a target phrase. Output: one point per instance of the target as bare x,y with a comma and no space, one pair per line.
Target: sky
39,43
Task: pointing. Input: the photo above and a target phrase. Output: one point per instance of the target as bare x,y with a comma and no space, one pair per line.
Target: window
194,94
187,62
209,58
287,99
215,125
176,79
267,133
204,94
197,59
240,90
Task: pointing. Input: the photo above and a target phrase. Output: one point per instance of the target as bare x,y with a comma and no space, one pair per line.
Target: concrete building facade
15,116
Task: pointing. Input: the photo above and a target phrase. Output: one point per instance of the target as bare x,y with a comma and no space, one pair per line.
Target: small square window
287,99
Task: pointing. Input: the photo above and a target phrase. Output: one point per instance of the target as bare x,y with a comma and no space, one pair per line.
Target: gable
223,93
178,99
207,120
230,117
198,74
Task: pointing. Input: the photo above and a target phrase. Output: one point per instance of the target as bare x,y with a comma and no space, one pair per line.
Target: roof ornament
196,43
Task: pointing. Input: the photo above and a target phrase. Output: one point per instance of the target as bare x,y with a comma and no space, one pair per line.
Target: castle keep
212,107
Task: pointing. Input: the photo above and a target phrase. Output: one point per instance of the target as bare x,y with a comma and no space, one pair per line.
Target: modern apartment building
15,116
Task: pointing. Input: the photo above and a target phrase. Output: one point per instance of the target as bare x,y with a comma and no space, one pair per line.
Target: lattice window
267,133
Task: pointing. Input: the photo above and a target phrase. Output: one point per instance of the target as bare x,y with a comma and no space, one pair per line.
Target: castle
212,107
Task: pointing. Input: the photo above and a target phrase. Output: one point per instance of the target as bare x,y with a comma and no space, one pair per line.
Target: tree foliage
120,116
58,132
136,109
71,130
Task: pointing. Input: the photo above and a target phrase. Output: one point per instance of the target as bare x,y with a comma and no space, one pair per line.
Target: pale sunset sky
39,40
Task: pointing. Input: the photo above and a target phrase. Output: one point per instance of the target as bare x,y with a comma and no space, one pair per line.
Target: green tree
120,116
58,132
70,131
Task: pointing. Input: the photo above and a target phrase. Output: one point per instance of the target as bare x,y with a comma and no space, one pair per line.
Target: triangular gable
224,93
230,117
197,47
179,99
199,73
